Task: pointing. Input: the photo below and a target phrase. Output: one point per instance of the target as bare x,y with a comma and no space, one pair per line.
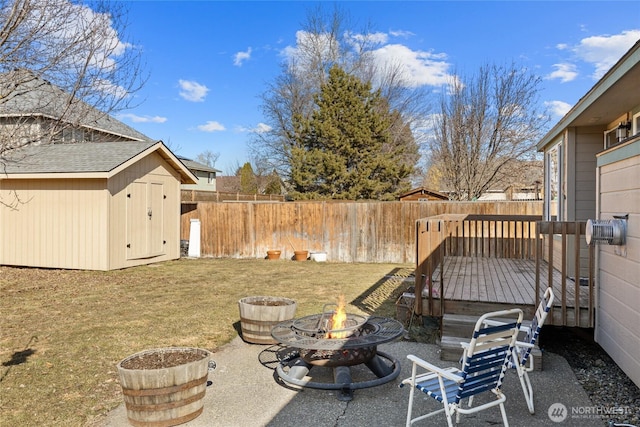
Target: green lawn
62,332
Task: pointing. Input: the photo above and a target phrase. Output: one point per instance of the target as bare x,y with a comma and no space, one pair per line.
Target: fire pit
338,340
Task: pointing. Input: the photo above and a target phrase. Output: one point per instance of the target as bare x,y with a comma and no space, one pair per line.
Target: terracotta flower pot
273,254
300,255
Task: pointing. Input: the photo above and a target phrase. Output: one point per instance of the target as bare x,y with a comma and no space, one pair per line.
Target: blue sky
209,61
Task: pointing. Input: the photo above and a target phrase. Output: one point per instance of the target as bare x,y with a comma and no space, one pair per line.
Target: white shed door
145,216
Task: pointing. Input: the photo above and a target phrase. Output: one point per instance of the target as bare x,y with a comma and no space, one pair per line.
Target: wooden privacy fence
224,196
346,231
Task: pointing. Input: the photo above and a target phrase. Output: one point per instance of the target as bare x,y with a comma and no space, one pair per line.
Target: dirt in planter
162,359
269,303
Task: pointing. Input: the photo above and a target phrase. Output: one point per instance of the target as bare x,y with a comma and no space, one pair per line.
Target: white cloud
558,108
142,119
211,126
241,57
401,33
604,51
306,41
108,88
370,38
417,68
565,72
192,91
261,128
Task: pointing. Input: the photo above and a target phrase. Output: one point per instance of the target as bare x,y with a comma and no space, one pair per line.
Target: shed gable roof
425,191
100,159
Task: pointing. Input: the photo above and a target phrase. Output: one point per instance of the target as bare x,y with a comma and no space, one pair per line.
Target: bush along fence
345,231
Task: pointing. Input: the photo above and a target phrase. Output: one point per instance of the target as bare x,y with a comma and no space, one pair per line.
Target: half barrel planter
259,314
163,396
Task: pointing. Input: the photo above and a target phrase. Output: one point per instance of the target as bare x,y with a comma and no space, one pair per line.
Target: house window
72,135
635,124
553,195
212,177
610,138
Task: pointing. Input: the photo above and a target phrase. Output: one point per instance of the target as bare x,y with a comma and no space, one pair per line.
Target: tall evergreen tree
344,150
248,181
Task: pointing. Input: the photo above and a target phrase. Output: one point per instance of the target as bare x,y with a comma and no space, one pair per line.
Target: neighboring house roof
618,88
91,160
425,191
520,174
193,165
24,94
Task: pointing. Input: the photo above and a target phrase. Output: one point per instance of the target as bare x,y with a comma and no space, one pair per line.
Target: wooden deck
475,285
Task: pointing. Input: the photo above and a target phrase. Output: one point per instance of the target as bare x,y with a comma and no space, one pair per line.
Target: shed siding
59,224
162,234
618,323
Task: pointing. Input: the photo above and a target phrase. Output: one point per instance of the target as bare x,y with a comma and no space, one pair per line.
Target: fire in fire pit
338,340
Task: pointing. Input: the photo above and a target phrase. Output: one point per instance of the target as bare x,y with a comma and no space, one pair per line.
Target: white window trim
610,138
635,124
547,183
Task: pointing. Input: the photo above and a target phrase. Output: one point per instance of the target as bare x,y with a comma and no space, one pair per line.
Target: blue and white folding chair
484,364
521,359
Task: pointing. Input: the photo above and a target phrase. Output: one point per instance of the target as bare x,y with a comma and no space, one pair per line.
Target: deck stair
459,327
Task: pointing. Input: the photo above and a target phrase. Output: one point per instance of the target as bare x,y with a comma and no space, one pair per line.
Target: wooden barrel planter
164,387
258,314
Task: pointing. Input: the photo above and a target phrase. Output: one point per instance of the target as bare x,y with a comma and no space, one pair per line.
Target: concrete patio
244,391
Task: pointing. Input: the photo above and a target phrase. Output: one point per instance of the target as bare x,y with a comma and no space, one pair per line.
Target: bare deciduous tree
65,66
325,41
65,61
208,158
486,122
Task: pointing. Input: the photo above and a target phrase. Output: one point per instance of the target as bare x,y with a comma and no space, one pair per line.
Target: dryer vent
611,231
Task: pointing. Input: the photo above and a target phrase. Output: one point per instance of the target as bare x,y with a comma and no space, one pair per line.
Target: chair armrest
447,373
524,344
491,322
524,328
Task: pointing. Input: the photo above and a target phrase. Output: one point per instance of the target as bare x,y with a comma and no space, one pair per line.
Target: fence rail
225,196
346,231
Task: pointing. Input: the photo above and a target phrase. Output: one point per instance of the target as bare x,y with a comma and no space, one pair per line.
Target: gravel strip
608,387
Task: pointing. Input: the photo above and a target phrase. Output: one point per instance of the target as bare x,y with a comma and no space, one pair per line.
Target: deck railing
556,247
499,236
562,249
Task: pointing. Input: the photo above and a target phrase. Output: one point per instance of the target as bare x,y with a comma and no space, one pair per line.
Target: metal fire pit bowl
361,332
315,347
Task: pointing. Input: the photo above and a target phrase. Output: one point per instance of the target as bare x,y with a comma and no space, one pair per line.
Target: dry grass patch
62,332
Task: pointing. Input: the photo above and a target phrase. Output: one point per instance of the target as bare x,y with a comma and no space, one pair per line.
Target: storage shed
91,206
422,194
